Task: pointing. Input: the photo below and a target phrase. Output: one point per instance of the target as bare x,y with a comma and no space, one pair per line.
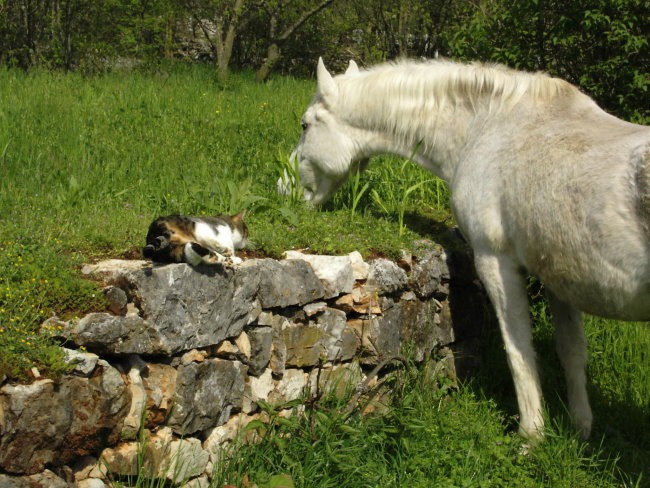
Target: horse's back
571,203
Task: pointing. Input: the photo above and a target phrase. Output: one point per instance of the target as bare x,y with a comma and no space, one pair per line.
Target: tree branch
303,18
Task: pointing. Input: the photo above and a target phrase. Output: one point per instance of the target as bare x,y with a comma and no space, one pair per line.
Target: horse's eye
304,125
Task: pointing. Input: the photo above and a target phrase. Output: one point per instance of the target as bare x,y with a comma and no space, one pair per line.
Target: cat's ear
239,217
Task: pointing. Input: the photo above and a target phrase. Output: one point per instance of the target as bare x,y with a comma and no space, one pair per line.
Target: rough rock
47,424
363,300
163,457
290,387
360,268
205,394
159,381
90,483
261,340
335,272
46,479
385,277
185,459
280,284
335,380
114,269
181,307
257,388
84,362
312,309
133,420
117,300
430,274
121,460
325,339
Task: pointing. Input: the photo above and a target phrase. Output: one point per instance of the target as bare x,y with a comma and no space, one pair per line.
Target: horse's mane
390,91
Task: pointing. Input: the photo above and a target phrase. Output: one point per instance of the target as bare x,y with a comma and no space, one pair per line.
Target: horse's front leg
506,287
571,346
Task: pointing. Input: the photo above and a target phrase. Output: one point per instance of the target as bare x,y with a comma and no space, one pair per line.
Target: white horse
542,182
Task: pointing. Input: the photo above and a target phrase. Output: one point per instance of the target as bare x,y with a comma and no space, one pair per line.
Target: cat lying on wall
196,240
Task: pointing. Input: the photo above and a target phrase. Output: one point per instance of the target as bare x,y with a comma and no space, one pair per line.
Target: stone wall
184,355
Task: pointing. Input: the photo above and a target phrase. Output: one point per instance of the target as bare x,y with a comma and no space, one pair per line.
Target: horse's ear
352,68
326,85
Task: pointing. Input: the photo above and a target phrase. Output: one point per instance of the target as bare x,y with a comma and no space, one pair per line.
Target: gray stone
133,420
114,269
380,336
159,382
430,274
312,309
386,277
337,380
91,483
302,343
280,284
163,457
117,300
257,389
46,479
360,268
84,362
186,459
201,482
418,329
261,340
181,308
46,425
323,339
278,346
205,394
338,342
290,387
110,334
335,272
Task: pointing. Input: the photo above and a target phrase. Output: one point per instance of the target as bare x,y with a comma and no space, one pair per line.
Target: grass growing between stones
430,434
87,163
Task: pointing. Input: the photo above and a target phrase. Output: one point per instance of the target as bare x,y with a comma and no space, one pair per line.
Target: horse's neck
436,142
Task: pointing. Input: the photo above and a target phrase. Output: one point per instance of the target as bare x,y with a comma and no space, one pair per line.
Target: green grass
434,435
87,163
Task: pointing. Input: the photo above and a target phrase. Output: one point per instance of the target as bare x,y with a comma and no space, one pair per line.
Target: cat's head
158,245
239,229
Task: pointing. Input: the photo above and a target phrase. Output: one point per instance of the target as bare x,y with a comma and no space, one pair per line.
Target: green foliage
37,281
601,46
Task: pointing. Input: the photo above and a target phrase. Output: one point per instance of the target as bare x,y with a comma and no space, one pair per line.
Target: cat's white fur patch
191,257
221,240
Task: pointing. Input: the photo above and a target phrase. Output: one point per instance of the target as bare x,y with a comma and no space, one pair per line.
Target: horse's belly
611,304
599,288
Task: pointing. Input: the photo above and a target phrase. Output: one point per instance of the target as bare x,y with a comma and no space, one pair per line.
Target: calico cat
196,240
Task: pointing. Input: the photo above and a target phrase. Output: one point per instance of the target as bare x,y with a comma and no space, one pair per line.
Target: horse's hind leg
571,346
506,287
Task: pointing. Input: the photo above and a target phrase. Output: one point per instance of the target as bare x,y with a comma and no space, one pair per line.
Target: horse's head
329,148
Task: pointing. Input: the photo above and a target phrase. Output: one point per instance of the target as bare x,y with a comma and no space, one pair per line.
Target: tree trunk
273,51
272,56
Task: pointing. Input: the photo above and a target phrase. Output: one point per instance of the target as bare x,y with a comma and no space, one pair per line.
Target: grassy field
87,163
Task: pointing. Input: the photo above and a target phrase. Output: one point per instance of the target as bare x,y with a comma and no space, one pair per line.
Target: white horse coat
542,181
